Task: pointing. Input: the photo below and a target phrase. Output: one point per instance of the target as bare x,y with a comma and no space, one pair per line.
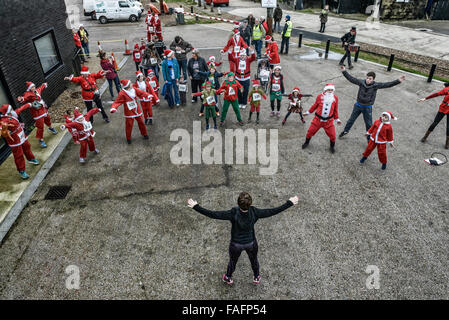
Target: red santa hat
7,109
139,73
236,31
212,58
125,83
29,85
277,67
77,115
256,83
149,12
296,89
268,38
242,52
84,70
136,46
150,71
329,86
389,115
168,53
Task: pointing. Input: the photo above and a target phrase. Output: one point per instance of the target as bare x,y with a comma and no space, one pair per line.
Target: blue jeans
183,67
116,80
258,46
367,117
277,25
286,42
243,96
86,48
170,94
155,68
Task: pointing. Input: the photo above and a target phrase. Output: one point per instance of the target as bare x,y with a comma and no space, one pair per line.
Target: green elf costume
230,88
209,102
276,85
254,98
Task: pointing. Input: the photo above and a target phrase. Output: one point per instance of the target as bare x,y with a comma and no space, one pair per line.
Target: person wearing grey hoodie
181,48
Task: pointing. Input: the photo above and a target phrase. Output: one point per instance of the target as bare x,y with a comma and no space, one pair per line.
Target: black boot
333,146
257,121
249,118
306,143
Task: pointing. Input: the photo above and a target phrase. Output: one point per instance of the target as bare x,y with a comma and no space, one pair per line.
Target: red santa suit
153,81
16,139
444,106
38,108
243,66
128,97
73,132
89,85
272,52
158,27
150,26
137,54
146,103
233,47
212,63
380,133
326,111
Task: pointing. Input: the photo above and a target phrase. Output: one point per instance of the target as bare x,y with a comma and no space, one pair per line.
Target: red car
218,2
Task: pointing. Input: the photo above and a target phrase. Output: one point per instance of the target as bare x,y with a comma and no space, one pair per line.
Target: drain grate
57,192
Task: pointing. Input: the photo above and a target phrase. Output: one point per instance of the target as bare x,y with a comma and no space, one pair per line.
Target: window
47,51
123,4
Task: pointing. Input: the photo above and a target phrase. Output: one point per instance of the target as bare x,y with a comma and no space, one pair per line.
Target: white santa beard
131,93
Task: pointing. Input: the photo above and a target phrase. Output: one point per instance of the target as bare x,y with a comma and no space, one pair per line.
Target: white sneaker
193,100
82,160
97,151
243,106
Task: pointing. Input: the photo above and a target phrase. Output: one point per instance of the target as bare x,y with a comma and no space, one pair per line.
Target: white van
89,7
116,10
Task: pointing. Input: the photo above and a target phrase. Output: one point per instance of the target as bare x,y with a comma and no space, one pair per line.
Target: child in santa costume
442,112
277,89
295,106
129,98
272,52
158,27
68,119
380,134
81,127
243,74
183,88
233,47
144,85
212,63
89,90
137,56
38,110
230,88
326,107
13,133
254,98
153,81
209,102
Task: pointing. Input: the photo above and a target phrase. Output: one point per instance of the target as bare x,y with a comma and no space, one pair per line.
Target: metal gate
440,10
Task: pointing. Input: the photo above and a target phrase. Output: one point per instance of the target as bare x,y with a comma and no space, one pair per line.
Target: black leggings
89,105
235,249
278,103
438,118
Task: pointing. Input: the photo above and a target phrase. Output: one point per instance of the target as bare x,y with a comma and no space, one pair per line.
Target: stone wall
413,9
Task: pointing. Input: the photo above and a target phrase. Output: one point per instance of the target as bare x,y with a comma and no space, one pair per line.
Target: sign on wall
269,3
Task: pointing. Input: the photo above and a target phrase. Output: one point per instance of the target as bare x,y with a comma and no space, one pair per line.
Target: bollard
326,54
212,7
432,71
390,64
196,18
300,40
205,5
199,3
191,9
356,57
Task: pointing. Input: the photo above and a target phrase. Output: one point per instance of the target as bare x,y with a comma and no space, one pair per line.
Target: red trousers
232,66
147,109
150,36
317,124
159,35
381,150
39,123
84,143
254,108
19,151
129,126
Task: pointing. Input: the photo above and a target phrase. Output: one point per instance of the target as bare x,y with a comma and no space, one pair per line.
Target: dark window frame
50,31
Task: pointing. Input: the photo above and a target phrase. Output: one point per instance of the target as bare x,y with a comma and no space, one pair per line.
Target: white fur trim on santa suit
127,86
85,72
329,87
30,86
212,58
390,115
277,67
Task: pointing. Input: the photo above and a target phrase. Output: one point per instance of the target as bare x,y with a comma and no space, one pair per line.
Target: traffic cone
115,62
127,51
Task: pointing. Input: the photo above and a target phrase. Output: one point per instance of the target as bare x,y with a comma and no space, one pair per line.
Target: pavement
126,227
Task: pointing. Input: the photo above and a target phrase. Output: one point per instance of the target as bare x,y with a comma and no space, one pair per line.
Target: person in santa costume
272,52
129,98
209,101
81,127
233,47
147,104
38,110
326,112
158,27
380,134
212,63
230,87
137,56
13,133
153,81
295,106
277,89
255,97
442,112
89,90
243,74
150,26
68,119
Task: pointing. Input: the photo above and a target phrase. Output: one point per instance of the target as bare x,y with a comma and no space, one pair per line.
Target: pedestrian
181,48
196,65
366,97
258,33
442,111
323,18
380,134
171,73
348,40
84,38
230,87
243,74
38,110
277,16
111,75
233,47
153,81
159,45
243,237
137,56
272,52
277,89
326,107
213,63
89,90
12,131
286,34
129,98
208,95
183,88
295,105
79,50
84,133
254,98
151,60
246,33
251,21
158,27
213,76
146,103
151,31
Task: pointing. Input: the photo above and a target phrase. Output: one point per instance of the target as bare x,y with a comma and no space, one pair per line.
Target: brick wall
391,9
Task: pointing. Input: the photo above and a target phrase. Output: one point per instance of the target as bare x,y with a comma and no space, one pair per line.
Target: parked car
218,2
117,10
138,4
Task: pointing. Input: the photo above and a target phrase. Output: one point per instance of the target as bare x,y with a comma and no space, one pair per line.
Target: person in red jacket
326,107
442,112
150,26
380,134
243,74
230,87
89,90
272,52
147,104
129,98
83,129
153,81
38,110
234,45
137,56
77,40
295,104
158,27
13,133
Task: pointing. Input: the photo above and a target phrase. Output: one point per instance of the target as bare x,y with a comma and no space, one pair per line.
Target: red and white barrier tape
212,18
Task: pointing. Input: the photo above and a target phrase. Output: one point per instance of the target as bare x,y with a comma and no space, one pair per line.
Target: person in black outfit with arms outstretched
243,238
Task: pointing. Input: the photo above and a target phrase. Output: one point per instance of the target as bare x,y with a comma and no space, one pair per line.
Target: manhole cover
57,192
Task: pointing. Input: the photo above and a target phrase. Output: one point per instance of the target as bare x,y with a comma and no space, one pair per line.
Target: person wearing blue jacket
171,74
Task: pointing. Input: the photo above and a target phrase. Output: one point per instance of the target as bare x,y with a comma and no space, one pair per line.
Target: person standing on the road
111,75
137,56
12,131
38,110
158,27
258,33
365,98
347,40
251,21
89,90
277,89
245,32
442,111
243,237
143,84
151,60
243,74
181,48
196,65
230,87
77,40
255,97
323,18
151,32
171,74
286,34
234,45
294,105
84,38
159,45
326,107
272,52
277,16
